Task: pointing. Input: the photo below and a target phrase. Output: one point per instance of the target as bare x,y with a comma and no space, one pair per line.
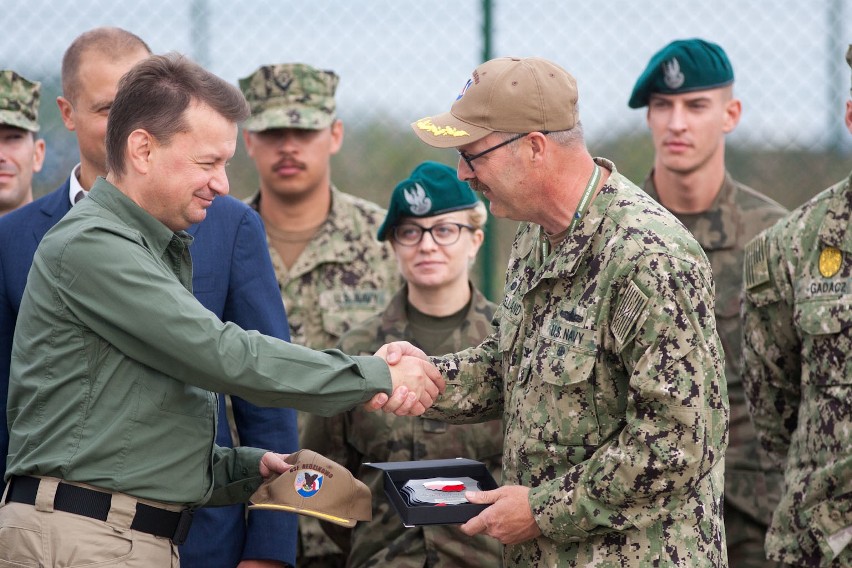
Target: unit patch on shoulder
830,259
755,263
627,312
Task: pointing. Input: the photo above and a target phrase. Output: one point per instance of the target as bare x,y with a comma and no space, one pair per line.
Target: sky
403,59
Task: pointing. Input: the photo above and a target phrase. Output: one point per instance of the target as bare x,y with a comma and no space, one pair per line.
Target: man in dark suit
232,277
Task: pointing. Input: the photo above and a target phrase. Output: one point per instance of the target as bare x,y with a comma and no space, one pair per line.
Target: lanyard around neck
582,206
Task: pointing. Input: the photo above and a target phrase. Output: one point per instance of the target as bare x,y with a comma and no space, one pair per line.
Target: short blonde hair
477,215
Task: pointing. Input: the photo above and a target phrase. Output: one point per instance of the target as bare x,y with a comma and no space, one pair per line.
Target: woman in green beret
434,224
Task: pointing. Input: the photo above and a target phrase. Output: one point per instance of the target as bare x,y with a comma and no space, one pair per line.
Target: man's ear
733,112
66,111
537,144
38,154
336,136
140,146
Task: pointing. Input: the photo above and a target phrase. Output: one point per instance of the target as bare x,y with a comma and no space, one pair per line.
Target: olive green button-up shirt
115,363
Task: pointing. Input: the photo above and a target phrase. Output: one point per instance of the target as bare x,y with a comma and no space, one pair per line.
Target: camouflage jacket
607,370
797,341
737,214
343,276
379,437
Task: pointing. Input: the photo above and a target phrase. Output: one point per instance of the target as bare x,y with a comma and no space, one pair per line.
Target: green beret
431,189
680,67
289,95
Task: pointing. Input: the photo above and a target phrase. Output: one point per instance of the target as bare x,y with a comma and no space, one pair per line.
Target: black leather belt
96,504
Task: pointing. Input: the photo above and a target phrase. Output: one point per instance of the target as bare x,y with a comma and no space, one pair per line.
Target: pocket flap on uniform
821,317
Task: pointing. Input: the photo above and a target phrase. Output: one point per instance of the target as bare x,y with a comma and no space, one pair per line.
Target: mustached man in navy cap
688,89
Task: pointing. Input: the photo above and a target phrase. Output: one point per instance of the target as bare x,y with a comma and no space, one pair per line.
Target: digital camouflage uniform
19,101
797,340
342,277
607,370
379,437
752,488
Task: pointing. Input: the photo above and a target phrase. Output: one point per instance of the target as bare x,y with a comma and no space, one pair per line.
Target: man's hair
154,96
566,138
113,43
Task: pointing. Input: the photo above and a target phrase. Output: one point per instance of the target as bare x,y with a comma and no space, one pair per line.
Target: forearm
474,385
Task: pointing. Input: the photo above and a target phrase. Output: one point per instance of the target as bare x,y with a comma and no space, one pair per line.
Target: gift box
398,474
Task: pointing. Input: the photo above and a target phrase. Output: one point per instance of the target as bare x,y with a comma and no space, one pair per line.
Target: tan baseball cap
317,487
508,94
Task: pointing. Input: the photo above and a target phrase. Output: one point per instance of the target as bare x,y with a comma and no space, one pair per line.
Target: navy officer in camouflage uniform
604,361
688,89
434,224
797,343
21,150
332,271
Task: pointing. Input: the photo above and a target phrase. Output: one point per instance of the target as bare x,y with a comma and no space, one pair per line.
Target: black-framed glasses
469,159
444,234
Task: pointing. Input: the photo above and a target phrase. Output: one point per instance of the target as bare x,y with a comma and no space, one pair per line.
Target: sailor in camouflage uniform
21,151
332,271
797,342
687,87
605,364
440,311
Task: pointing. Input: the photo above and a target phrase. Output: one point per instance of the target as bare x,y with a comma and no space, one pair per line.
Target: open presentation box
397,474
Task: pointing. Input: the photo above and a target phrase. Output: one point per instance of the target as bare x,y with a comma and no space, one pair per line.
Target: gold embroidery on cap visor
432,128
829,261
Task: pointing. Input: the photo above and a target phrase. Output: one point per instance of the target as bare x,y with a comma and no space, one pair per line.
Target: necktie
80,195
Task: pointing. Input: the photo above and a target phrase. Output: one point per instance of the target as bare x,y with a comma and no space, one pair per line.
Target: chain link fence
400,60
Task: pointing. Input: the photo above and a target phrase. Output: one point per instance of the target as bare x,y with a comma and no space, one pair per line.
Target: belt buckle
182,528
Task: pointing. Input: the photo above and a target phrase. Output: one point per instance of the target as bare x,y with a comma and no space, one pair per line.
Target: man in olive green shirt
110,404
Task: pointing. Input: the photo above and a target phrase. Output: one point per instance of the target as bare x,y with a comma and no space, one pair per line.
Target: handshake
416,382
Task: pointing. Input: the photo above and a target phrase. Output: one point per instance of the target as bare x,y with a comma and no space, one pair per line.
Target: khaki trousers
37,536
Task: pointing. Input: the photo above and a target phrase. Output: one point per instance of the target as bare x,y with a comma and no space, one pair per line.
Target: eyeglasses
469,159
444,234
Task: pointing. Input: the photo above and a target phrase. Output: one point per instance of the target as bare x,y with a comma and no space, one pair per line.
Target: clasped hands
416,382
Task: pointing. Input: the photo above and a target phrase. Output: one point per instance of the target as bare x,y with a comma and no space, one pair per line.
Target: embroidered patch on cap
672,75
418,202
308,482
429,126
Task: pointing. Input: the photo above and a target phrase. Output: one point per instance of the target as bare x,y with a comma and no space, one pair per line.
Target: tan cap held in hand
317,487
509,94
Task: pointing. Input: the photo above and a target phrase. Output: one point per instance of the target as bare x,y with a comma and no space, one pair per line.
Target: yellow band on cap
432,128
332,518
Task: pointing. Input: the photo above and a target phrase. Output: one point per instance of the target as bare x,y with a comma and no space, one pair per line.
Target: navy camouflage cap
431,189
290,95
683,66
19,99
